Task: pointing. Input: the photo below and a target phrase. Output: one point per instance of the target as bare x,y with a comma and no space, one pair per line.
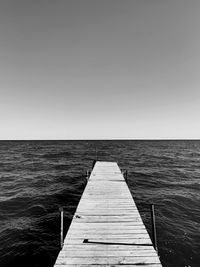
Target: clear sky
99,69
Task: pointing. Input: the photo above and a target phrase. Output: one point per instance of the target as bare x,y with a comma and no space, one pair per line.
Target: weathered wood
108,260
106,225
112,241
107,228
107,265
106,253
106,247
116,231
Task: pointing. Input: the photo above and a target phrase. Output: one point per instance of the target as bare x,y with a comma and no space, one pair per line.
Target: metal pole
126,175
153,222
96,152
61,230
87,175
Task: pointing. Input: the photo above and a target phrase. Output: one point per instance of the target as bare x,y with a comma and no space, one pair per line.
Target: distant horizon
100,139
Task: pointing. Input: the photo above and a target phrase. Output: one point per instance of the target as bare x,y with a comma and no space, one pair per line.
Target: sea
39,177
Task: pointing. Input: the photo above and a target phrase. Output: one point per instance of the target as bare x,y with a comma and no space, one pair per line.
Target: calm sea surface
38,177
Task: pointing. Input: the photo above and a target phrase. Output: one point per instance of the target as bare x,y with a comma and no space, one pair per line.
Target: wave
57,155
36,178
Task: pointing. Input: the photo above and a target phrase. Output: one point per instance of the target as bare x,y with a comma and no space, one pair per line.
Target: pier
107,229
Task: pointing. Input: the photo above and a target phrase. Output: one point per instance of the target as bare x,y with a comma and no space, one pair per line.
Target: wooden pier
107,229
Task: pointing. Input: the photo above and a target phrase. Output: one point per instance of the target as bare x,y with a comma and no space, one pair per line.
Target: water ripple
37,177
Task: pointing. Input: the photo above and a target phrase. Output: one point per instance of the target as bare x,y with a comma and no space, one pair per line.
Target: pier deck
107,229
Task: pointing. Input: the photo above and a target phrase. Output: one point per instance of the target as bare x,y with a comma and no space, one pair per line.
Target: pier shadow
114,243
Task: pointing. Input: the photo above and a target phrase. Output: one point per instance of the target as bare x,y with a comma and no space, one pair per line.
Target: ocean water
38,177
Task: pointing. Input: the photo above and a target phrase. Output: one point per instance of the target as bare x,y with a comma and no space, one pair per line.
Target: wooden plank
110,241
95,238
106,208
96,231
100,219
106,253
93,207
107,225
107,228
105,247
106,265
109,260
128,229
107,213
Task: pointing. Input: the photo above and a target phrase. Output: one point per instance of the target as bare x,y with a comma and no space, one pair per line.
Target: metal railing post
61,228
88,174
125,174
96,153
153,222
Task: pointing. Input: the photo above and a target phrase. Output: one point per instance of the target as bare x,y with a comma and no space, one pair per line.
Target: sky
99,69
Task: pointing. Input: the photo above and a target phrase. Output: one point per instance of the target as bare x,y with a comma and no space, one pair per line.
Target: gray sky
84,69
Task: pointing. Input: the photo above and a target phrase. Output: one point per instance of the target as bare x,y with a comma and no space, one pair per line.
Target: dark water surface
37,177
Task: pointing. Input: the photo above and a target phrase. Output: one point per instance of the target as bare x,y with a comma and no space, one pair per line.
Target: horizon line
107,139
